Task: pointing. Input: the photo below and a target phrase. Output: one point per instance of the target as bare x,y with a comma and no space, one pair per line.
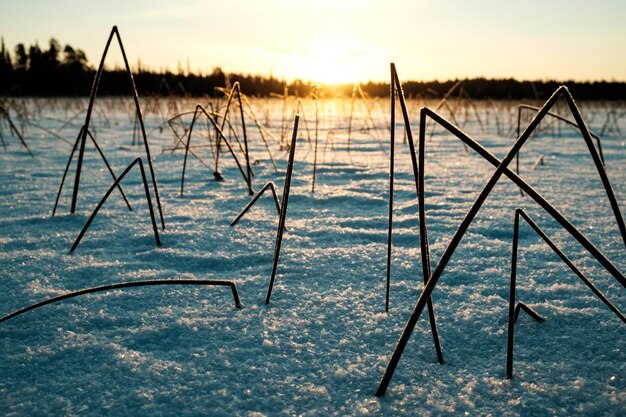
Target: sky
341,40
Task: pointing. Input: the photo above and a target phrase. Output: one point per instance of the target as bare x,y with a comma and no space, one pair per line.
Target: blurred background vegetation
65,71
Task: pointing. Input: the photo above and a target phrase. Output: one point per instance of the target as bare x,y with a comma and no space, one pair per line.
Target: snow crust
322,344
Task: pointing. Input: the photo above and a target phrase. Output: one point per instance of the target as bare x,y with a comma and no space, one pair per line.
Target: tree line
65,71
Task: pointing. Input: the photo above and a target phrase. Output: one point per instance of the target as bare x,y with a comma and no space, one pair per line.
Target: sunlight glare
334,63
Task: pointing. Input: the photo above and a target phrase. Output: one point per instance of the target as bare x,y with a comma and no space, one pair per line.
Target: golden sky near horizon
341,40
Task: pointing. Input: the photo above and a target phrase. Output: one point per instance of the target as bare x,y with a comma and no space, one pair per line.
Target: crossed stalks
85,131
432,278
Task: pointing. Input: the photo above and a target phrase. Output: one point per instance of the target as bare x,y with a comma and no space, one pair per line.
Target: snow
321,346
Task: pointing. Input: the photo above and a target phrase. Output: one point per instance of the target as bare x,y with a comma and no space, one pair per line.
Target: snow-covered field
321,346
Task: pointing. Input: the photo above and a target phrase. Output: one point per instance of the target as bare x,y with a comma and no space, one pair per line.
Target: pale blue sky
339,39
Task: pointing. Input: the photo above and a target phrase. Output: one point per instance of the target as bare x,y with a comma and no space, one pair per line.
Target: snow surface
321,346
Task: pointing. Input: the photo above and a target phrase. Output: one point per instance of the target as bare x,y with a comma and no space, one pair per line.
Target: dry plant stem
616,127
272,188
263,128
496,115
444,100
134,132
179,138
69,161
51,133
270,134
351,113
423,231
110,170
110,190
180,143
511,322
200,109
502,169
559,117
15,131
519,121
357,89
538,162
300,110
283,125
315,92
392,141
208,133
468,103
283,209
596,154
534,194
245,141
70,120
83,137
203,282
370,116
251,114
523,307
611,124
191,148
232,133
236,88
514,310
452,112
221,127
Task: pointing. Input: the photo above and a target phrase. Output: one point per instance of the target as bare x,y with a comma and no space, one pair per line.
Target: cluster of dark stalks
221,126
7,122
431,277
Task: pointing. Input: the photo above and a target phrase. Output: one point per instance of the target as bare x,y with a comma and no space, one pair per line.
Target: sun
336,63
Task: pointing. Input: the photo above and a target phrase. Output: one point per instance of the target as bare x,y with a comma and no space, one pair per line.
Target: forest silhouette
65,71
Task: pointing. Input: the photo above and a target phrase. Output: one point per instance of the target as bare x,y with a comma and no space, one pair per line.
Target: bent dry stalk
110,190
558,117
104,159
514,310
501,169
14,130
261,129
270,185
200,110
236,88
370,117
85,128
397,87
123,285
523,307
